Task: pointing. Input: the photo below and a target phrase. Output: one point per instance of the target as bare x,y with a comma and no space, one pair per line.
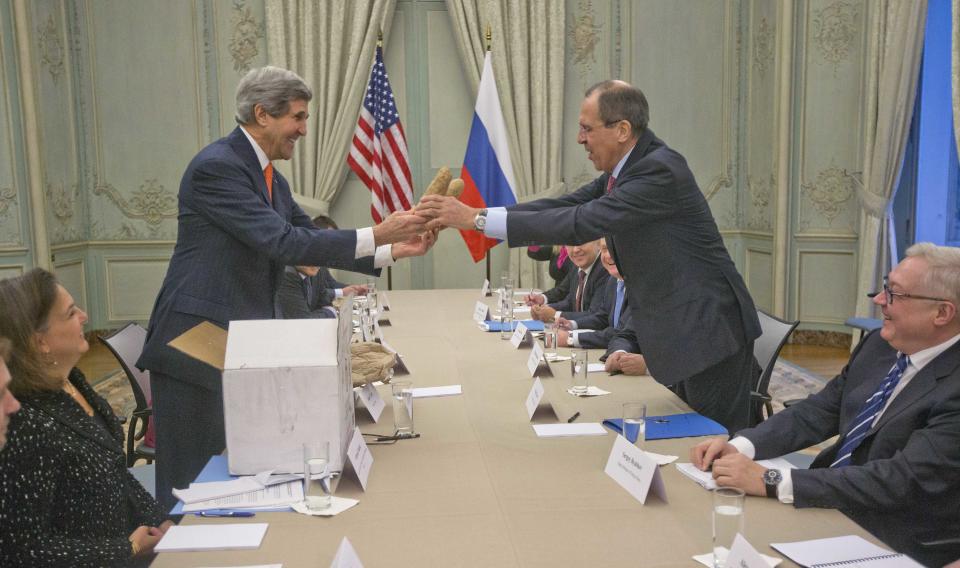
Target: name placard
372,400
360,457
744,555
377,332
481,312
399,367
485,289
536,364
534,398
521,337
346,556
384,302
634,471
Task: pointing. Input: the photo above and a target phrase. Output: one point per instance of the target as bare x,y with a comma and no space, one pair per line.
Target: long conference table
479,488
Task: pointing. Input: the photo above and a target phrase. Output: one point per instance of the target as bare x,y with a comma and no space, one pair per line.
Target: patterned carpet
790,382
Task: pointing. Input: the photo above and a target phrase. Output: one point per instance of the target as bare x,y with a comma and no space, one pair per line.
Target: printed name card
377,333
481,312
536,363
633,470
399,367
372,400
521,337
346,556
744,555
360,457
485,289
383,301
534,398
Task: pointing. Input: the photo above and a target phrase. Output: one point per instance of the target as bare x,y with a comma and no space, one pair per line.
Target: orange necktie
268,175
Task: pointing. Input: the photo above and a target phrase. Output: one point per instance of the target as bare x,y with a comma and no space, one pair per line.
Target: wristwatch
480,221
772,479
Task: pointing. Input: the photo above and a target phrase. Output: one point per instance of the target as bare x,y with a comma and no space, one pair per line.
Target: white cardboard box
285,382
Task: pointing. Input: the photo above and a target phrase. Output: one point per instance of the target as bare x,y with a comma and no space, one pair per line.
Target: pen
574,417
224,514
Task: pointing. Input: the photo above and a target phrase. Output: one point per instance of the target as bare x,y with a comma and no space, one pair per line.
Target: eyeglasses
586,129
890,294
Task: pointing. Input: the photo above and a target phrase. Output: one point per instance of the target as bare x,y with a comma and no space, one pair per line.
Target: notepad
427,392
246,536
842,551
577,429
705,478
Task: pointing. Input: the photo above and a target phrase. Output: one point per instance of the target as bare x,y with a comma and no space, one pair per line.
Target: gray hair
619,100
271,87
943,275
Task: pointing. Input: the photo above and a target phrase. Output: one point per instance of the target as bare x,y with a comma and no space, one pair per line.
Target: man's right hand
398,227
534,299
703,454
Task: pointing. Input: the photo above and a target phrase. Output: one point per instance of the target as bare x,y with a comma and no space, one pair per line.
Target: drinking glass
727,522
506,310
550,339
635,423
578,373
372,304
402,392
316,466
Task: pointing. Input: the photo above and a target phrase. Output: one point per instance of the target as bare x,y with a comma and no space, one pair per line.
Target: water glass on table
635,423
550,339
316,466
727,522
372,304
506,310
578,373
402,395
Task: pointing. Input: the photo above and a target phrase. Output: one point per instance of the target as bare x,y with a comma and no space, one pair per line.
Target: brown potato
440,182
455,188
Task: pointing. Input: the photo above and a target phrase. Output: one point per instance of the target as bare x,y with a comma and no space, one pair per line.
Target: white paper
533,399
521,312
273,496
346,556
216,489
705,478
377,332
634,470
480,312
337,506
596,367
184,538
360,457
428,392
575,429
744,555
383,301
661,459
591,391
372,400
485,289
535,361
842,549
707,559
521,336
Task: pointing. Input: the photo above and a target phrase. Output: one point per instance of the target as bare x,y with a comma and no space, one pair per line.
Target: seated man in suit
895,468
586,287
560,267
623,353
594,329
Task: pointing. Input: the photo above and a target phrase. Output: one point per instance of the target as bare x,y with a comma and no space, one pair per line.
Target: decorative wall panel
758,273
12,190
72,275
132,285
826,286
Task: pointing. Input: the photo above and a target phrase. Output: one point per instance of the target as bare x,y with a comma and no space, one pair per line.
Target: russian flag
487,171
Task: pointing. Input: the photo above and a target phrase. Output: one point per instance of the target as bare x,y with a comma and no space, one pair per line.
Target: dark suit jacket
592,289
67,497
558,273
600,319
904,481
689,305
232,247
304,298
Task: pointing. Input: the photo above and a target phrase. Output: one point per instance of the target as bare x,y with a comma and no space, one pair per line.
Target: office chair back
766,349
126,345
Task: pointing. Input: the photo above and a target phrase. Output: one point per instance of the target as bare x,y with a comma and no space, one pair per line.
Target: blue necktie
618,307
868,412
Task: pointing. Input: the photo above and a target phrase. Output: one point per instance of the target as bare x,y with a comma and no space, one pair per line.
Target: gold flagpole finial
489,36
380,38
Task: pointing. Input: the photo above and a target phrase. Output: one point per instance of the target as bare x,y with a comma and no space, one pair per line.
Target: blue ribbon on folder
669,426
532,325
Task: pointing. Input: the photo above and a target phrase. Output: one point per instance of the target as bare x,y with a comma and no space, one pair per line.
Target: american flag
379,151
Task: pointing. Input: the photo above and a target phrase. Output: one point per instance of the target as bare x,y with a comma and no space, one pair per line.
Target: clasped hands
407,232
730,468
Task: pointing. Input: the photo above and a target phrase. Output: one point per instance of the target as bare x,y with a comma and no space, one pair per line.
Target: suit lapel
921,385
67,412
241,145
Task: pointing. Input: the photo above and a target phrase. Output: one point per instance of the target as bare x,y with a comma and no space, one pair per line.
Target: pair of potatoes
444,184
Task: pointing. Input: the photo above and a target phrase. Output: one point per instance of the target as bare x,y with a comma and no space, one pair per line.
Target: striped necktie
869,411
578,301
610,181
618,307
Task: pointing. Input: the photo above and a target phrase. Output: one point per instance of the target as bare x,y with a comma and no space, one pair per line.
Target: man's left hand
633,364
415,246
737,470
542,313
355,289
563,337
447,212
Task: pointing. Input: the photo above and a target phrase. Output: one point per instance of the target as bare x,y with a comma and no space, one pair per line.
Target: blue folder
670,426
532,325
217,469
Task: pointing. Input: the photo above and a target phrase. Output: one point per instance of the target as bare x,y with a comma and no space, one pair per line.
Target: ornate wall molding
62,203
584,36
247,33
832,188
8,197
834,29
764,46
51,48
151,203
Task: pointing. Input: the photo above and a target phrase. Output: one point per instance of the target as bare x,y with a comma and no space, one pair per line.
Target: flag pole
389,268
489,37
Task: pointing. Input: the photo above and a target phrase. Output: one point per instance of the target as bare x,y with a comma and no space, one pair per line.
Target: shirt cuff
338,292
744,446
574,339
496,223
366,245
573,325
785,487
331,310
383,257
